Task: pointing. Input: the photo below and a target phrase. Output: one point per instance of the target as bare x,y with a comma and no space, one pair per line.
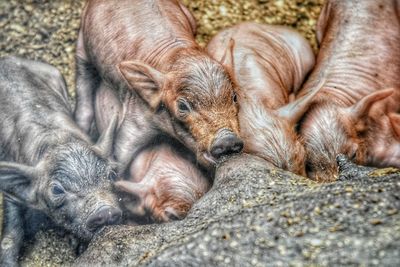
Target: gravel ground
42,30
47,30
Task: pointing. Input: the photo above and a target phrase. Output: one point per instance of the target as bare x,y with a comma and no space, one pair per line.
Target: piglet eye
173,217
309,167
113,176
234,97
183,106
57,190
171,214
353,153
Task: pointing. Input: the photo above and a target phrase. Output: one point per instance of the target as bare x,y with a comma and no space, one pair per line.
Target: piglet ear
227,58
145,80
18,181
395,123
138,189
362,108
105,142
323,21
189,16
296,109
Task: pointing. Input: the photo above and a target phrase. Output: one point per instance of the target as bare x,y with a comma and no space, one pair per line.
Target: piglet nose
105,215
226,143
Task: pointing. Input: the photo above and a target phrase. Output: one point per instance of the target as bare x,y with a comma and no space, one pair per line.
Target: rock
255,215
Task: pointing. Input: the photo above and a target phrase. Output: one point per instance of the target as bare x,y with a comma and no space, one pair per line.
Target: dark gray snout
225,143
105,215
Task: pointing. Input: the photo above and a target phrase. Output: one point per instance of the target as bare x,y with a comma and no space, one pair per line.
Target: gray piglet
51,172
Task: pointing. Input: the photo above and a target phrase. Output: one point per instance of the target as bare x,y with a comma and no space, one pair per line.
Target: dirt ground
47,30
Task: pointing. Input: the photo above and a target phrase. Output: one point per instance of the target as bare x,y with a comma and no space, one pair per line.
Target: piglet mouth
103,216
209,158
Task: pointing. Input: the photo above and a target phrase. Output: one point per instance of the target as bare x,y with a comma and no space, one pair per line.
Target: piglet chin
209,158
88,235
84,234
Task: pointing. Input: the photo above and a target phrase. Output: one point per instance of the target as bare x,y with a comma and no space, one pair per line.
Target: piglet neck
322,105
167,55
181,57
66,132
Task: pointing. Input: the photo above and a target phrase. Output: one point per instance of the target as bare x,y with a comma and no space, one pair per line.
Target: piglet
165,183
148,46
162,180
268,69
359,60
51,173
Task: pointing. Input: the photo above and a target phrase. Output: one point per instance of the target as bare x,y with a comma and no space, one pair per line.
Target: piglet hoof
349,170
82,246
77,245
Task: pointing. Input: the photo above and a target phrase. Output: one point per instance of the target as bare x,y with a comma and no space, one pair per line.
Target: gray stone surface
257,216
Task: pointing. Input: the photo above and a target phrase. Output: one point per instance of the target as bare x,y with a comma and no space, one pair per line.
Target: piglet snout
225,143
105,215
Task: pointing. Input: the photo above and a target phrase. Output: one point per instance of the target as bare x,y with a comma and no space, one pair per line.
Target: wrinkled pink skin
148,47
359,58
162,182
269,63
166,183
386,145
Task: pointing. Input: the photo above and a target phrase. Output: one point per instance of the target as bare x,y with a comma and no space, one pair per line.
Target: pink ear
227,59
363,107
322,22
137,189
145,80
190,18
395,122
296,109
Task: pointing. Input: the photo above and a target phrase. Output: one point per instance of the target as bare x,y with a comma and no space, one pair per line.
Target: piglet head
73,187
165,188
200,96
271,134
154,204
72,184
330,130
271,137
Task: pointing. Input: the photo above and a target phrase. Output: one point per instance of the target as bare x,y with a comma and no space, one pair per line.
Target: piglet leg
106,106
12,234
87,81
